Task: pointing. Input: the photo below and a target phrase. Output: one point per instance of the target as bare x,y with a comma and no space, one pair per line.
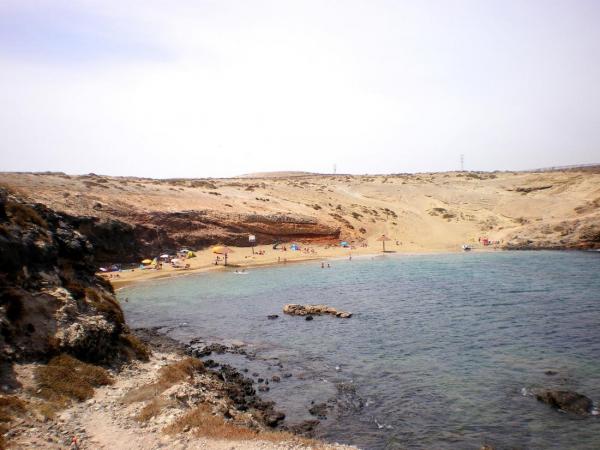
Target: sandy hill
278,174
426,212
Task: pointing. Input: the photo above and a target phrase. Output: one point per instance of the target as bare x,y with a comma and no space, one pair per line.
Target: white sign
252,238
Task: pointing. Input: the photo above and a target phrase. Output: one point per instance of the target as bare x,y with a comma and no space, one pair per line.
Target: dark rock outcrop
314,310
319,410
120,236
50,299
566,400
306,428
240,390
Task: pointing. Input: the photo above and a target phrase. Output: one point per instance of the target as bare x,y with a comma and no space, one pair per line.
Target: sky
216,88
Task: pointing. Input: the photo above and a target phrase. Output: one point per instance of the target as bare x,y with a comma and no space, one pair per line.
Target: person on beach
322,265
328,266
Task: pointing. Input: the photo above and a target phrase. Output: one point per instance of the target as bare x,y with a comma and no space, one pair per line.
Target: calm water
437,353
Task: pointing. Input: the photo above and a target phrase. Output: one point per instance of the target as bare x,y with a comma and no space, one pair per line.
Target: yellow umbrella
222,250
147,261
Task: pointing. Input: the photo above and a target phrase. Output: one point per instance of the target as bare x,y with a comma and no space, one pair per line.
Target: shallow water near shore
438,354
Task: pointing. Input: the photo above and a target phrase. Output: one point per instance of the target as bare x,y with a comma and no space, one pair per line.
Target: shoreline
203,262
214,407
153,275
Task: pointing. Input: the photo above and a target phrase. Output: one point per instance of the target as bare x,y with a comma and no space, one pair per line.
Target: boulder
319,410
566,400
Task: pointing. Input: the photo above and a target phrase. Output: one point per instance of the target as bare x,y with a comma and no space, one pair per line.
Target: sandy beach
242,258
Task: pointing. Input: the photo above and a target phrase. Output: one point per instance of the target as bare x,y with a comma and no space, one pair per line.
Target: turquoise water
437,355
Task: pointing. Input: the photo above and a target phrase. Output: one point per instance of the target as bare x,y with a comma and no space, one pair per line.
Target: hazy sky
219,88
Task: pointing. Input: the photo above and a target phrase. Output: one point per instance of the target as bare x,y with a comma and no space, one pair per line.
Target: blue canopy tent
344,244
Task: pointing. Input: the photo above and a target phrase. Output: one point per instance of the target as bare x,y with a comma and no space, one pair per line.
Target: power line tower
462,162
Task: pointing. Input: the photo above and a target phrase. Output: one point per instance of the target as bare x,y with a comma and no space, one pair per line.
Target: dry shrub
23,215
179,371
168,376
104,303
204,423
141,351
66,378
153,409
48,409
143,393
11,406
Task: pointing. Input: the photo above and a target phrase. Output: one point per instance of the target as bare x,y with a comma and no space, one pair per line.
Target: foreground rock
50,299
143,409
566,400
314,310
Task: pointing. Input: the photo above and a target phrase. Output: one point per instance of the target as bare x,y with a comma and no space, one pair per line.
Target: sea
443,351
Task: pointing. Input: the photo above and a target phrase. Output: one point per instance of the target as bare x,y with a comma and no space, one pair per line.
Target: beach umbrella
222,250
147,261
383,239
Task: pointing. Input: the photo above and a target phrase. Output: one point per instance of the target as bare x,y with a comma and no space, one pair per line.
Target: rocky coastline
74,375
137,411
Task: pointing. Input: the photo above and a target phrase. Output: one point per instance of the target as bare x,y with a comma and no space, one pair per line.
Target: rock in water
566,400
309,318
314,310
319,410
272,316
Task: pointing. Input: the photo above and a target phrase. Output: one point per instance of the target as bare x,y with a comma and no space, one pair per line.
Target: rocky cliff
50,300
130,237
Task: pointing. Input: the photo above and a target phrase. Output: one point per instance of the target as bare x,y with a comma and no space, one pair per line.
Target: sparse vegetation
10,407
140,349
153,408
203,423
91,184
66,378
104,303
167,377
24,215
202,184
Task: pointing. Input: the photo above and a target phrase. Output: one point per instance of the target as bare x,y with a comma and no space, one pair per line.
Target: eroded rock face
127,236
566,400
314,310
50,299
